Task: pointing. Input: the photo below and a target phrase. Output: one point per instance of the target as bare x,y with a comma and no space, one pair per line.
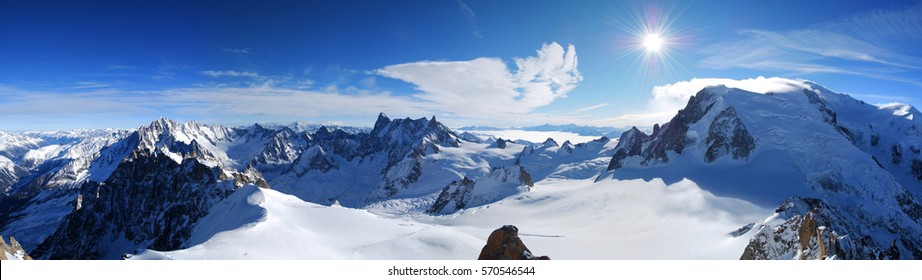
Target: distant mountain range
583,130
802,174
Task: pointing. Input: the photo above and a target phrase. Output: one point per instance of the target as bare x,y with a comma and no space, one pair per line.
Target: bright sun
652,42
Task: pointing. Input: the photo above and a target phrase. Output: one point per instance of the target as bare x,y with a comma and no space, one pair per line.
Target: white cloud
369,82
229,73
672,97
486,87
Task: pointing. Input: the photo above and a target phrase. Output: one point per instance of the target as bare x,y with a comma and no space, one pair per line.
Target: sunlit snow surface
564,219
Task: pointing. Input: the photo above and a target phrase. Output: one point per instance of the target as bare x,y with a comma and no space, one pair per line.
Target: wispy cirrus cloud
471,18
881,44
587,109
120,67
229,73
236,50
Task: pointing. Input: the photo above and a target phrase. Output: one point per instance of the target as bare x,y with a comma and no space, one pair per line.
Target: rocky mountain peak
381,122
409,131
163,123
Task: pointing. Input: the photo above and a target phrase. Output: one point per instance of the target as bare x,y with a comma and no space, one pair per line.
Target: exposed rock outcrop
504,244
808,228
467,193
728,136
630,144
671,136
458,192
12,251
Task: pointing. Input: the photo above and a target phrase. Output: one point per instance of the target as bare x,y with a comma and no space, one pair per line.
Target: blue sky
94,64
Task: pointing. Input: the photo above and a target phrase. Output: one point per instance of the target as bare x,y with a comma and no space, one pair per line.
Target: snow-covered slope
807,142
565,219
259,223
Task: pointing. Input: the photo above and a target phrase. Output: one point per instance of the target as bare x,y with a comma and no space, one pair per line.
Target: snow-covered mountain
170,174
851,161
708,184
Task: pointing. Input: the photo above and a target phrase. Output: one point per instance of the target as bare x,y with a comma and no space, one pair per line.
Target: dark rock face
150,201
524,177
458,192
742,230
504,244
630,144
500,143
829,116
728,135
668,137
673,133
917,169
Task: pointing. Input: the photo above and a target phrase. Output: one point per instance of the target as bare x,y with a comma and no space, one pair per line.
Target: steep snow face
789,130
256,223
806,141
8,174
891,134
